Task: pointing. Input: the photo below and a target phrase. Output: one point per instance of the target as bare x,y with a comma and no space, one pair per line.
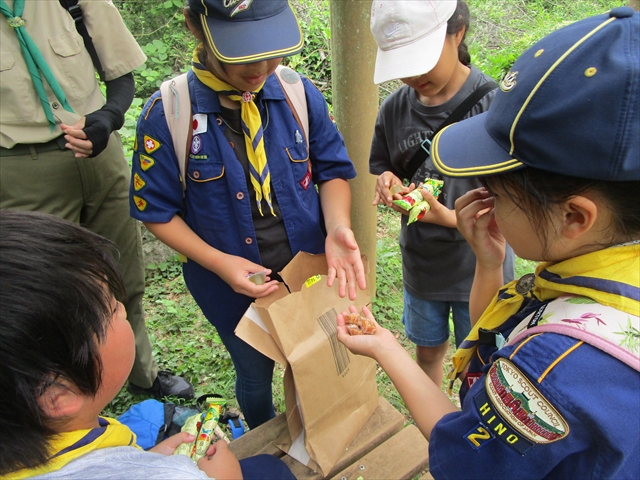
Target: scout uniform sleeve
156,190
539,412
118,51
327,150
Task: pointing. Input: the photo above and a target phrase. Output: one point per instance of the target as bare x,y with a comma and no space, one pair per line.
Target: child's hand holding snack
220,462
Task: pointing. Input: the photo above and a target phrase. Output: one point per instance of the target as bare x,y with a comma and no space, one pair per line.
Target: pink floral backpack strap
612,331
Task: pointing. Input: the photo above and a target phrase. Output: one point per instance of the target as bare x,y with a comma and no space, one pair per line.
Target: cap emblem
508,82
391,29
244,5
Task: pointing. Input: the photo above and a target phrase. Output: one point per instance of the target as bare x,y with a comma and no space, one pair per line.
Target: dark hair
459,20
536,192
56,285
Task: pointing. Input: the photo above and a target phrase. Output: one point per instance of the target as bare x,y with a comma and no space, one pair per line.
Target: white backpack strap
611,330
177,110
293,88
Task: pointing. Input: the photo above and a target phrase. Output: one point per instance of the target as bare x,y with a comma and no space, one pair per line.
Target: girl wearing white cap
422,43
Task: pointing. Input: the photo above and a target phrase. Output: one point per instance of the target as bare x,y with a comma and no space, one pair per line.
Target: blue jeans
265,467
254,375
426,322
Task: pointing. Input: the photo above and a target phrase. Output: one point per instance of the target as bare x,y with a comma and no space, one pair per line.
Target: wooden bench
384,449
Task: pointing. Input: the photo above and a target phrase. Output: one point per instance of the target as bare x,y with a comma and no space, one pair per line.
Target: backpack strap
293,88
603,327
458,114
176,102
76,13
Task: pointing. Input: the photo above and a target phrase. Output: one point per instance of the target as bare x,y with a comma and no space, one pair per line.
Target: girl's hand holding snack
374,345
344,261
235,271
476,223
388,188
438,214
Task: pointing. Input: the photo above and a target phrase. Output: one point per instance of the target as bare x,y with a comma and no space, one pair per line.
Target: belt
26,148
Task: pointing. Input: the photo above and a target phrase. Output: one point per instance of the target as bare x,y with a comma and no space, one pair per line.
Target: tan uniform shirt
22,119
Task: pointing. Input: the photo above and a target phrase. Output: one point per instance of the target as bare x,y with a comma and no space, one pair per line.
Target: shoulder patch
520,403
141,203
146,162
151,144
138,182
135,143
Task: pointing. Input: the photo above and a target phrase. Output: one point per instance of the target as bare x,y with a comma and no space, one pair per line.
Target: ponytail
459,20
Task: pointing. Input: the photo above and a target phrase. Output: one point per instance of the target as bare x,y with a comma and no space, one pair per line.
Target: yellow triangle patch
135,143
151,144
138,182
146,162
141,203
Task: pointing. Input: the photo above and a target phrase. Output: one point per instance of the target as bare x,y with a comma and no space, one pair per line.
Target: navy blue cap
246,31
570,105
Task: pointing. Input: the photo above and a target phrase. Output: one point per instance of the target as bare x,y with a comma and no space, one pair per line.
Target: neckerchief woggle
68,446
610,276
36,64
251,126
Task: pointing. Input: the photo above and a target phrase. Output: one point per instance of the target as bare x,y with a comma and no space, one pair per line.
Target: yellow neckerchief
251,126
611,277
69,446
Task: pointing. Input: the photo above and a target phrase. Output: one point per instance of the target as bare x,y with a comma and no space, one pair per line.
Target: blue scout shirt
216,205
579,403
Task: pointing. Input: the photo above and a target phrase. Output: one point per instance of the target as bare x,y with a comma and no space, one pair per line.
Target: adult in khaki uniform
71,163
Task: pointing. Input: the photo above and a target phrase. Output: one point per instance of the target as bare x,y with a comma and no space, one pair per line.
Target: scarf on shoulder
251,127
611,277
69,446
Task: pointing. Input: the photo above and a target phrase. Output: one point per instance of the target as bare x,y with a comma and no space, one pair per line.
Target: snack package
202,425
358,325
205,434
409,200
192,426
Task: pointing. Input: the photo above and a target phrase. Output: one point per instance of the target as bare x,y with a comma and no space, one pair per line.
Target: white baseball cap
410,35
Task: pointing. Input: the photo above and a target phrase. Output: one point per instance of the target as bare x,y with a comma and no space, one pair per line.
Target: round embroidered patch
522,405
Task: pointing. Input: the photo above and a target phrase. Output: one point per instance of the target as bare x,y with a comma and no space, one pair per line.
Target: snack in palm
358,325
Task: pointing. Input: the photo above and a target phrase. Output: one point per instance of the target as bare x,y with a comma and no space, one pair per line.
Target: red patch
472,378
306,180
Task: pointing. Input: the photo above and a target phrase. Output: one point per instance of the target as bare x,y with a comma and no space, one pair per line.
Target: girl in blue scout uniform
551,382
434,65
256,193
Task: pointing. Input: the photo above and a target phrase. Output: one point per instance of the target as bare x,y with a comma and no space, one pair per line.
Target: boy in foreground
67,350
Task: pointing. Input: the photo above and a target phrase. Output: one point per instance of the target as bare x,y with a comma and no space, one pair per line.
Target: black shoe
165,384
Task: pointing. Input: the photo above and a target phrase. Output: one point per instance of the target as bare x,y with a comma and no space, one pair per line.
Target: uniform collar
208,103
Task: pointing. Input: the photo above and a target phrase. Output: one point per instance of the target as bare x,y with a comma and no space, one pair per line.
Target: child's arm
341,248
424,399
220,462
477,225
232,269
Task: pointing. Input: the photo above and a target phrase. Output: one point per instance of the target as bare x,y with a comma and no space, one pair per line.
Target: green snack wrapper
205,435
418,211
191,425
421,207
409,200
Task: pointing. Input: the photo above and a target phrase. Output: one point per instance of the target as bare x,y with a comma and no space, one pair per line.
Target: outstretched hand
477,224
374,345
344,261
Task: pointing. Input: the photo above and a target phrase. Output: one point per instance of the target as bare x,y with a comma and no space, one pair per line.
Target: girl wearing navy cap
256,192
550,370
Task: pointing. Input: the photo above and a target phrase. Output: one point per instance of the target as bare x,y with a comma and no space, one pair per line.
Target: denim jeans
254,375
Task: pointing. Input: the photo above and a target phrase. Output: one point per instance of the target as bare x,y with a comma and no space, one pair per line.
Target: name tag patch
520,403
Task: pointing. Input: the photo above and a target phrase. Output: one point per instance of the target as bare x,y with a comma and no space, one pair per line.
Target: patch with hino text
520,403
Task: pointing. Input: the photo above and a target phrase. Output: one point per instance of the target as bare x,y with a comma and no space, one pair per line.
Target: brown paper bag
329,392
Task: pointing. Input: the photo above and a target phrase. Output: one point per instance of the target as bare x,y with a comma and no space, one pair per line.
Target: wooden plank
260,439
383,423
403,456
